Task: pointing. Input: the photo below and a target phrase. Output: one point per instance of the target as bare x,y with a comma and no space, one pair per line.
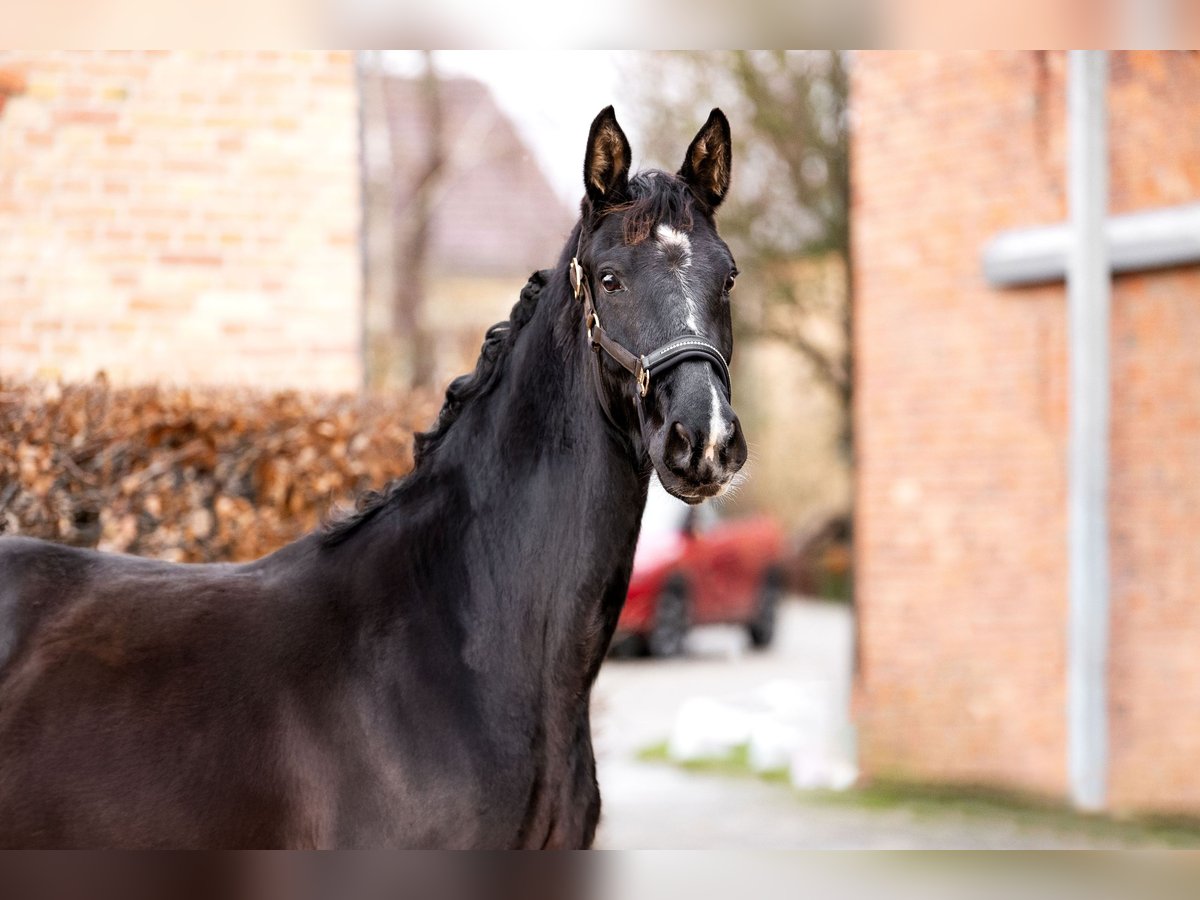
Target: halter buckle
576,271
643,378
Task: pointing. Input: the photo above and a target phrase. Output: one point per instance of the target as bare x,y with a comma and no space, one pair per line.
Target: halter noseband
643,368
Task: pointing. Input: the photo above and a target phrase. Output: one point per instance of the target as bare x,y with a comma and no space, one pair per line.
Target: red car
694,568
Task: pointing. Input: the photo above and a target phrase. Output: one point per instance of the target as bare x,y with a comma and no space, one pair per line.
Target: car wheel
671,621
762,626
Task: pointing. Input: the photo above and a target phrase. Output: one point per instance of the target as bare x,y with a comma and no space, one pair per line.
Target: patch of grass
655,753
836,586
1026,811
736,764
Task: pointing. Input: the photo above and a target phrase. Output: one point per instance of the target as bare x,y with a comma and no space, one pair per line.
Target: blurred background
233,283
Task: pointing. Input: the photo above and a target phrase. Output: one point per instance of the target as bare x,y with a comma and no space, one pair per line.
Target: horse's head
659,277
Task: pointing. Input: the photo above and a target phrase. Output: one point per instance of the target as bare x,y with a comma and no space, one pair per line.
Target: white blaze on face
676,245
673,239
716,427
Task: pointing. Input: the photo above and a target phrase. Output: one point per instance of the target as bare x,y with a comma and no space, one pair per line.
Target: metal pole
1137,242
1089,289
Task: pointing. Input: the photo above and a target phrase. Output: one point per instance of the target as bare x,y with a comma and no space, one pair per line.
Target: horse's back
37,579
41,581
140,701
152,704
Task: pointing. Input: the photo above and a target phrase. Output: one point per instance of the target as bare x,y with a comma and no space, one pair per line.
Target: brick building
177,216
961,428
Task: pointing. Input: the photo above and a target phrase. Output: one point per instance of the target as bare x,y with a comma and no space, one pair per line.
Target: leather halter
645,367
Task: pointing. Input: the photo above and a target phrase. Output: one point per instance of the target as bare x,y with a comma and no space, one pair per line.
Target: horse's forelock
656,198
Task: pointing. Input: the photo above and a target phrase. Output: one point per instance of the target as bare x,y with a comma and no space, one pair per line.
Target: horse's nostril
733,454
678,450
682,434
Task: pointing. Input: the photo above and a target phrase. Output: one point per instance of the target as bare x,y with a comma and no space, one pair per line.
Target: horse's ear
606,164
706,166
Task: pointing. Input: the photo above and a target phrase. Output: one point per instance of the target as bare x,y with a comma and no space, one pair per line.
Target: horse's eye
729,280
611,282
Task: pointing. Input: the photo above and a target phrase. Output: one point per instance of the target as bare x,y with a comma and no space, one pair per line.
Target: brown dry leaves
190,474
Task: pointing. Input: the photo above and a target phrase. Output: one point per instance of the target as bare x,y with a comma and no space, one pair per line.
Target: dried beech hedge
191,474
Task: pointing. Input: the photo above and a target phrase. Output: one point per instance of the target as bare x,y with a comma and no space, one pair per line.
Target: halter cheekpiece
643,368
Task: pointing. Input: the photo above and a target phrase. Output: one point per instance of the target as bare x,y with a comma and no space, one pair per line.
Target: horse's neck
554,507
562,501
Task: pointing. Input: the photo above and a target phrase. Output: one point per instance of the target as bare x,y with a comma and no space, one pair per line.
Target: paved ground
636,699
654,805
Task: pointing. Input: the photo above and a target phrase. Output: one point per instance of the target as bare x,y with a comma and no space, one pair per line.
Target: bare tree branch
792,198
412,242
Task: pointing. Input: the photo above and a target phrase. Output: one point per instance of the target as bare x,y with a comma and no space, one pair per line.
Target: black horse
418,674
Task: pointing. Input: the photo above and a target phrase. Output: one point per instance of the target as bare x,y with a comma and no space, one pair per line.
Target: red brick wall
961,429
188,217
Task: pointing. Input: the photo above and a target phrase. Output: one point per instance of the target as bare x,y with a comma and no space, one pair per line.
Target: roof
495,212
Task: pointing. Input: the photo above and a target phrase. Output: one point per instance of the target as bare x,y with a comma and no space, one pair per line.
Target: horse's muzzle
700,446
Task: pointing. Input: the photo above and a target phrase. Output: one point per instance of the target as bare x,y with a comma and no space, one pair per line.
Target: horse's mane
496,343
495,350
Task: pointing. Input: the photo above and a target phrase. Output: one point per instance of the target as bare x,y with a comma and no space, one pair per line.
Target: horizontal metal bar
1137,242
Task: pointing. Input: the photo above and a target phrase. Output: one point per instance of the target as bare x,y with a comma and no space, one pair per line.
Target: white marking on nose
716,428
675,243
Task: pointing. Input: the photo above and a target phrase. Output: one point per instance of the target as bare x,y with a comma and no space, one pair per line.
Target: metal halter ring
643,377
593,321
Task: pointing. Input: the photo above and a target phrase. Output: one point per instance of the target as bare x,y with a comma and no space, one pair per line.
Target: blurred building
961,429
195,217
799,470
493,217
181,217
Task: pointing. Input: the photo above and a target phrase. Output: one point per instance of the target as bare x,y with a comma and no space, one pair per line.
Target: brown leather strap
591,320
600,339
595,333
